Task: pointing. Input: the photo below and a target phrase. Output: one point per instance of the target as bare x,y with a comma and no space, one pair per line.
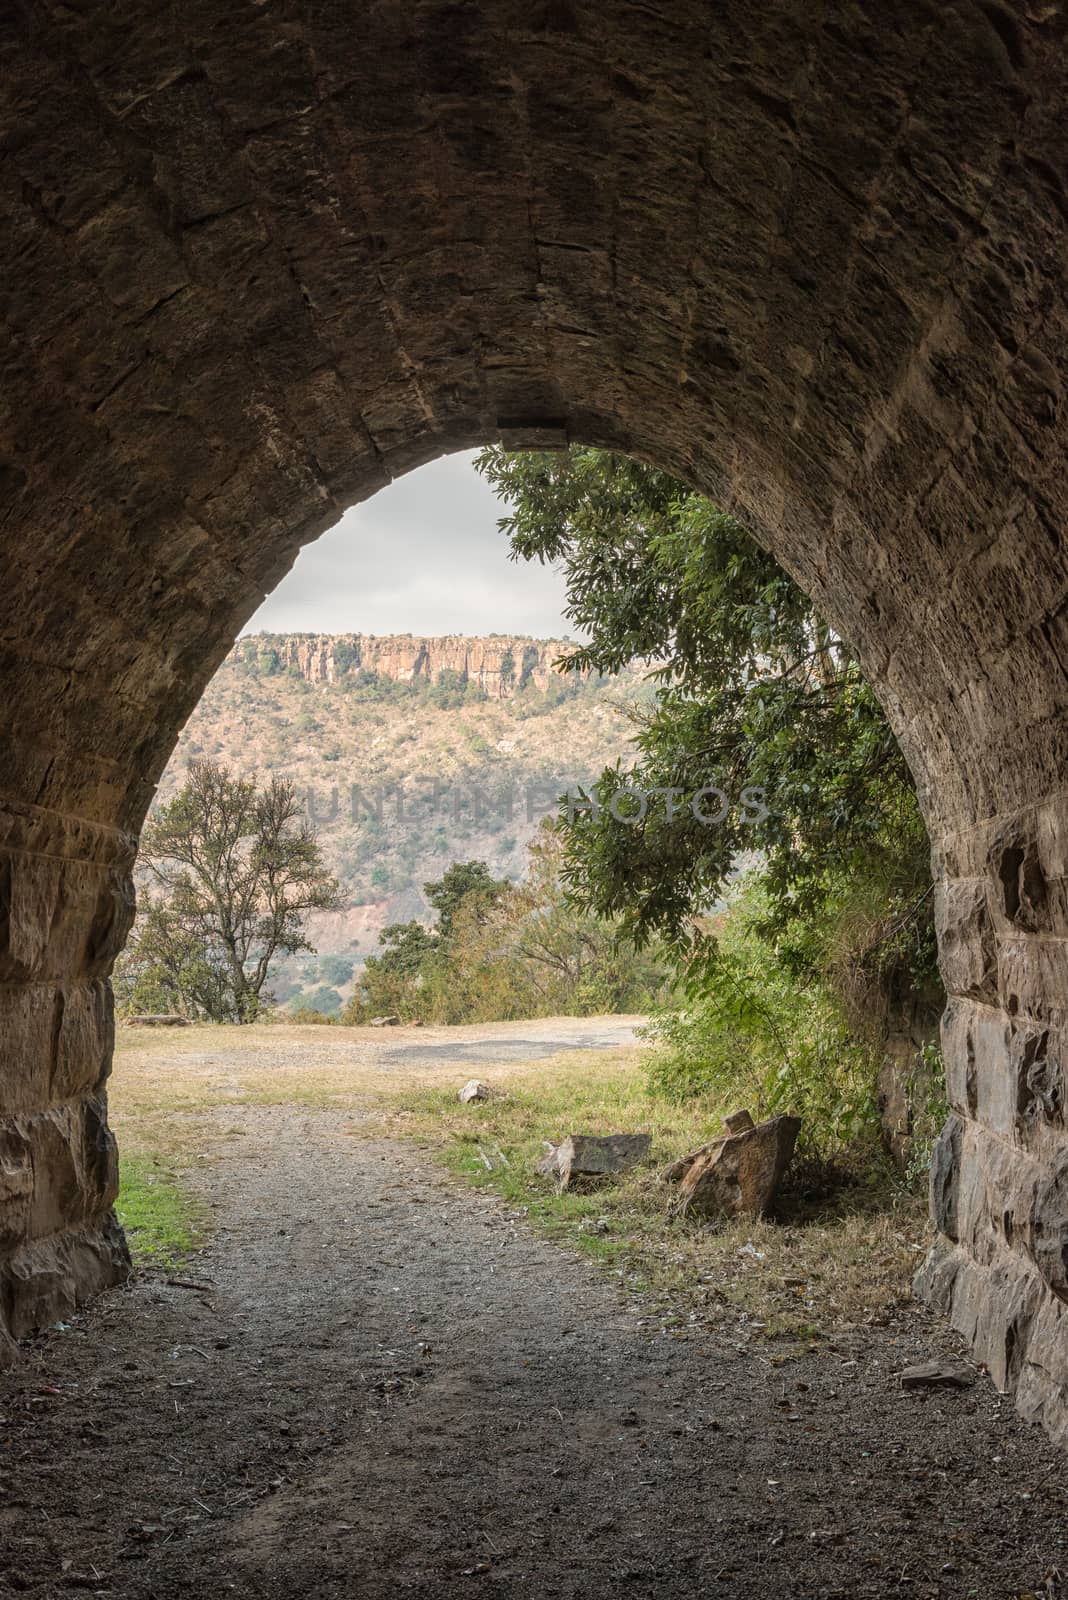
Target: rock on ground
588,1155
475,1089
739,1175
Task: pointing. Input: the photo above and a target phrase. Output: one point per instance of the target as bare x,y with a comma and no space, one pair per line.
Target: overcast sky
423,556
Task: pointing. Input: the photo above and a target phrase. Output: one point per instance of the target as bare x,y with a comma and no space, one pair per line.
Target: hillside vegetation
404,774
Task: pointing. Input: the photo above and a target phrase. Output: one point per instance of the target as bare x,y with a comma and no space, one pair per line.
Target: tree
336,969
240,870
414,974
469,883
551,955
323,999
393,980
165,968
756,697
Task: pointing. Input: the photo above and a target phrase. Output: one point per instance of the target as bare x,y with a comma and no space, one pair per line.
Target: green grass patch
163,1222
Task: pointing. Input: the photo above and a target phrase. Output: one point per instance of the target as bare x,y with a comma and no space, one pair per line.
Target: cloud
423,556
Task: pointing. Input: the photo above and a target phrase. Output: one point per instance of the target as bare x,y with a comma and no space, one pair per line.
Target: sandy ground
387,1386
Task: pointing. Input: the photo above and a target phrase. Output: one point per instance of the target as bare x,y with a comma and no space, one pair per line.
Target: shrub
928,1110
306,1016
754,1034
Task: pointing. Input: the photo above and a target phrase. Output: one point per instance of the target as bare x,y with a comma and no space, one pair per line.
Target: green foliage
167,968
306,1015
755,698
755,694
502,951
466,883
335,969
928,1106
452,691
395,980
323,999
753,1034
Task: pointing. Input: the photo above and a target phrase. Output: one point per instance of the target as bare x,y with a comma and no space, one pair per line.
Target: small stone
944,1372
475,1089
384,1022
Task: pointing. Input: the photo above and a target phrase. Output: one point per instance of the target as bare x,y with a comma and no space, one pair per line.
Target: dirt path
393,1389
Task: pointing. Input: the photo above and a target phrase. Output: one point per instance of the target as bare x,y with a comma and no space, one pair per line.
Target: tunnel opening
257,269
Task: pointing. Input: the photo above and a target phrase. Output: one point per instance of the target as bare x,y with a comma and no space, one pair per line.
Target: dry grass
845,1254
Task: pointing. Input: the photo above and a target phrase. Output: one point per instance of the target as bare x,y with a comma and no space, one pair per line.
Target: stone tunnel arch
258,259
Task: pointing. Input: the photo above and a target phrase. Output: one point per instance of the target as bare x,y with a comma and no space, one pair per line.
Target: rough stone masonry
258,259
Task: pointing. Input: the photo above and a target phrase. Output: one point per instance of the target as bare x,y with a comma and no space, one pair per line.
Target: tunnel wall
67,903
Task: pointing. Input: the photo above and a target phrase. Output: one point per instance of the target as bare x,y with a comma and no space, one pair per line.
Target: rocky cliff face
499,664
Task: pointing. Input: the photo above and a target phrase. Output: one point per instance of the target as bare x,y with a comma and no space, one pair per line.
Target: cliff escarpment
500,665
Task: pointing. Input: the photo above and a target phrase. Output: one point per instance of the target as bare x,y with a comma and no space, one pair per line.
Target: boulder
588,1155
475,1089
678,1169
737,1122
738,1175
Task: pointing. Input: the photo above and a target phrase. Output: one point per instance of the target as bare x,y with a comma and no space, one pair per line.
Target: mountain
411,753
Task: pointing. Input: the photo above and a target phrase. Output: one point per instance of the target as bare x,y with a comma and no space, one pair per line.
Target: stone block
1051,837
1042,1381
27,1033
995,1193
85,1039
967,952
1020,898
945,1176
45,1279
976,1050
591,1155
1049,1226
16,1187
1033,976
740,1174
75,1165
1037,1060
61,919
29,896
993,1305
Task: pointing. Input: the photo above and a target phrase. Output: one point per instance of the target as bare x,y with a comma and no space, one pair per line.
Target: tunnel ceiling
260,258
